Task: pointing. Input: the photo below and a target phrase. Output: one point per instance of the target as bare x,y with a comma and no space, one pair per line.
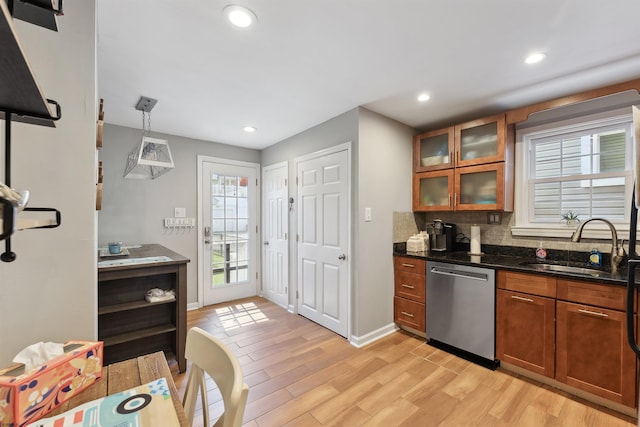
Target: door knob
342,257
266,243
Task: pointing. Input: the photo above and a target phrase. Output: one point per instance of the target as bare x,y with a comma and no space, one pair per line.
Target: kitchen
64,278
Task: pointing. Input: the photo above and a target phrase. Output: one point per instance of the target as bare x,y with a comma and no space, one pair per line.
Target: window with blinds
584,170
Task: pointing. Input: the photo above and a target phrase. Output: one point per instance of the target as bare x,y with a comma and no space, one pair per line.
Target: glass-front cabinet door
433,150
480,188
481,141
433,191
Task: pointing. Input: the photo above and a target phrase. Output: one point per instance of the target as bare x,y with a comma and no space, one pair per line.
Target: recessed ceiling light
535,57
240,16
249,129
423,97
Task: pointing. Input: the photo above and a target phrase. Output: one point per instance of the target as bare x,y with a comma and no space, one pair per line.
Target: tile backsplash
407,223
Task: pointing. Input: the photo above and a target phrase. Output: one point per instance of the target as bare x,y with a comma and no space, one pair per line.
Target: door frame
209,159
346,146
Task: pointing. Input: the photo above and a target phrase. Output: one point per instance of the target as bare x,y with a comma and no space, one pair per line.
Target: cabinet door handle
409,265
593,313
521,298
451,158
408,286
407,314
449,200
455,200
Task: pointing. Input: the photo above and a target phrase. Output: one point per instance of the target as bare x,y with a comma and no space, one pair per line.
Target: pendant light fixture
151,157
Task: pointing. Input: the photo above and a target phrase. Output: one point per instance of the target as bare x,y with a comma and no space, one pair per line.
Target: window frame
523,198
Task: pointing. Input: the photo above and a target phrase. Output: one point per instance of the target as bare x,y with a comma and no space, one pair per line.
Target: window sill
596,231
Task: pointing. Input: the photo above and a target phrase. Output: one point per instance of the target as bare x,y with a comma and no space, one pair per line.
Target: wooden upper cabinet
482,188
434,150
433,191
467,167
482,141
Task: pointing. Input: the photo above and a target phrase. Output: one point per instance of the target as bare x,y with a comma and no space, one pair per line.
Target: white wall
133,210
385,179
49,292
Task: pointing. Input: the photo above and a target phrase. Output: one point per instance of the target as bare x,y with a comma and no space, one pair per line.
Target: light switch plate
367,214
180,212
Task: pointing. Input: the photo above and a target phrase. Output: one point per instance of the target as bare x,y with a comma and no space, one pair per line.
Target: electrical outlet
494,218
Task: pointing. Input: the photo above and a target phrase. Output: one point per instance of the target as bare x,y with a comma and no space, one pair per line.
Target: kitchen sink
565,269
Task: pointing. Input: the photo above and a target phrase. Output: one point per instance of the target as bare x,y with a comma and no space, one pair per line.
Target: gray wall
133,210
49,292
385,178
381,179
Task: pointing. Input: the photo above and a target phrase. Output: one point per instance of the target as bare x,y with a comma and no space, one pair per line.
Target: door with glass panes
229,218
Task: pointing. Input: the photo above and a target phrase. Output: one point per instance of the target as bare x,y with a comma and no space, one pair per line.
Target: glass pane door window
229,229
481,141
433,190
481,188
434,150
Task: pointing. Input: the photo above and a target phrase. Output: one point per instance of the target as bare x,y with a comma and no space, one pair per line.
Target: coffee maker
442,236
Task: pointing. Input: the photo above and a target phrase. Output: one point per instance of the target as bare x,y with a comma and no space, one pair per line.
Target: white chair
208,354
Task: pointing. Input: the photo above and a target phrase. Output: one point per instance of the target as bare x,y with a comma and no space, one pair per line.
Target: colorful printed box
28,396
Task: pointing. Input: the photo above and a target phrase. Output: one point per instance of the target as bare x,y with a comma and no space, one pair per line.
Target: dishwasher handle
459,273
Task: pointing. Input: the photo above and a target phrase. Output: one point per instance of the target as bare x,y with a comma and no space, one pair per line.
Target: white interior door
323,238
229,229
275,220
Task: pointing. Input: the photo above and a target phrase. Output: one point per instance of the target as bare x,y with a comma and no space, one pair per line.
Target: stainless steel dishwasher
461,310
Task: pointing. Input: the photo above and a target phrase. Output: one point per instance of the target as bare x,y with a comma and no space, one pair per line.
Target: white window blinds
582,170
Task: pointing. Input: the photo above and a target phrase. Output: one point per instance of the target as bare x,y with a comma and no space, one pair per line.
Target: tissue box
27,396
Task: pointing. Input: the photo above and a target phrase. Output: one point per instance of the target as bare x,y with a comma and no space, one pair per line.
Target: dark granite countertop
523,260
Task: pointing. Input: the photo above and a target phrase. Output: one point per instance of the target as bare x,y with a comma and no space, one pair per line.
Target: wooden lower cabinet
571,331
526,331
593,354
410,293
409,313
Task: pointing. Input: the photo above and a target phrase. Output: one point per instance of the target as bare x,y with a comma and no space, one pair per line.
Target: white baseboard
359,342
193,306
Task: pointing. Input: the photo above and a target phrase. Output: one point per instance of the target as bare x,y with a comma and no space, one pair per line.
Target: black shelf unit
20,101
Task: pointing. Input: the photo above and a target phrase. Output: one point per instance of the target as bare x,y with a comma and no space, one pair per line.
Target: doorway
228,229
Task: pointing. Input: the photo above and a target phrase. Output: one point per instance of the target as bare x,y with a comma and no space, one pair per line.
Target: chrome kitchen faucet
617,252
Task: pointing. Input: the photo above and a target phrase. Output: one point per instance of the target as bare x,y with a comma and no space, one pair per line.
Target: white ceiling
308,61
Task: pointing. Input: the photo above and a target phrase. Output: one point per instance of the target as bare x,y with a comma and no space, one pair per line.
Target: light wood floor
301,374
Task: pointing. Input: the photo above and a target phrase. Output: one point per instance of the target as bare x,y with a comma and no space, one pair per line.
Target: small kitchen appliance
442,236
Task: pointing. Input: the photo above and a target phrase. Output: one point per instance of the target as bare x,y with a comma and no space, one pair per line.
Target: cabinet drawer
607,296
409,313
536,284
410,285
414,265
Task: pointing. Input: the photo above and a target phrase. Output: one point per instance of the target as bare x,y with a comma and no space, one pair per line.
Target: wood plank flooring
301,374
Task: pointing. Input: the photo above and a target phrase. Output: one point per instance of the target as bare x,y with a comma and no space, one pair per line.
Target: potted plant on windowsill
570,218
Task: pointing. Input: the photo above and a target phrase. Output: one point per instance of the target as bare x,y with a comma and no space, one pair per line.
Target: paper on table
147,405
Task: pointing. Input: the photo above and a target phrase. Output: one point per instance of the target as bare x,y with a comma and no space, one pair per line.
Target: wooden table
127,374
